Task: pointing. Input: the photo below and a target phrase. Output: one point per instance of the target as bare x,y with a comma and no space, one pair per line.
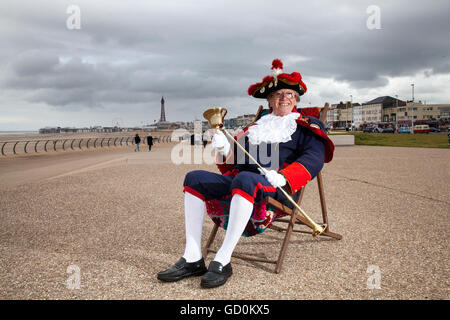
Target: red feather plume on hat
277,80
277,64
293,77
256,86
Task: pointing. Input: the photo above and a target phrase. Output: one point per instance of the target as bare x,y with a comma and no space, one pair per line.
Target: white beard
273,129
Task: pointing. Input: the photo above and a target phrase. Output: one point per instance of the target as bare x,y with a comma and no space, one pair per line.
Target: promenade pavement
117,216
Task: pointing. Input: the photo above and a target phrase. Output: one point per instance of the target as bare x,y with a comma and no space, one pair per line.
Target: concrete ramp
343,139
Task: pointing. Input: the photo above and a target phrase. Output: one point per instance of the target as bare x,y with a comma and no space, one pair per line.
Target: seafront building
386,111
81,130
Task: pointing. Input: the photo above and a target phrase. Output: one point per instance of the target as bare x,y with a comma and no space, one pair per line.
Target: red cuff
194,193
243,194
296,175
251,198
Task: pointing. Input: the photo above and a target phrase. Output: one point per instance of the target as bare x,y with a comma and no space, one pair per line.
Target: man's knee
192,178
246,176
245,180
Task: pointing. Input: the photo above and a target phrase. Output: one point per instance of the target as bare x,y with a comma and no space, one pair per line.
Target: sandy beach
116,216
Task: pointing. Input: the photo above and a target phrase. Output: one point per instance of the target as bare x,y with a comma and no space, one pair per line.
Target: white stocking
240,213
194,213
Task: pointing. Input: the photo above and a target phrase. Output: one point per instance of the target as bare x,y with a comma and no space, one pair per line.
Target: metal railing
46,145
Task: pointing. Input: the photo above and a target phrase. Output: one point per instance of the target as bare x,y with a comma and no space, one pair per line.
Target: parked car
433,129
421,128
377,130
388,130
404,130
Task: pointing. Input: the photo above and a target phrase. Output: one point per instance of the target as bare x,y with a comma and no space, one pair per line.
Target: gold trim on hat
275,82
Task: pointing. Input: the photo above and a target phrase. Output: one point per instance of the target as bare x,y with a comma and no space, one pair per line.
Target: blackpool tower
163,112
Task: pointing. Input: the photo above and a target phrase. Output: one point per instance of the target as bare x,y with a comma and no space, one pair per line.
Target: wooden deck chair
292,218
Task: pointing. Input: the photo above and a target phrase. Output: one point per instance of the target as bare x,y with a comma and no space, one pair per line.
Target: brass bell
215,117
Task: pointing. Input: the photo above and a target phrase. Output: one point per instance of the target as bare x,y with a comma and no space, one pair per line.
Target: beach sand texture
118,217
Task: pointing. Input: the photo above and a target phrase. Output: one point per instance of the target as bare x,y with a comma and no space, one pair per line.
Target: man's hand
220,143
276,179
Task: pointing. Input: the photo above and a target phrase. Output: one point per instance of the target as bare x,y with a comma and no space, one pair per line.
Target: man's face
282,101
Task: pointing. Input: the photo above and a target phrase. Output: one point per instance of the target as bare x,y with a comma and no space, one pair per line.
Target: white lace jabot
273,129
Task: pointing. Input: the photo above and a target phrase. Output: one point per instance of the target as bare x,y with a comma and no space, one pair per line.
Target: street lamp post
351,106
346,115
412,109
396,112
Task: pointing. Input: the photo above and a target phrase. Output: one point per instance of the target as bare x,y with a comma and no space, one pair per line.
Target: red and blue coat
299,160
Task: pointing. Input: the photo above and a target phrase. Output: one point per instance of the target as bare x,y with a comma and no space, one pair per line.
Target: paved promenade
116,216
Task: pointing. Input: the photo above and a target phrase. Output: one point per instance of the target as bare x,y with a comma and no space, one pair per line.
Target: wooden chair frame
292,218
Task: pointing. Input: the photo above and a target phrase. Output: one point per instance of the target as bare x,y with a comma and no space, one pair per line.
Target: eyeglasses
279,95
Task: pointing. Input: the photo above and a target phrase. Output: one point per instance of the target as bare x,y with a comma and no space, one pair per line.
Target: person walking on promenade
235,199
137,141
149,142
205,137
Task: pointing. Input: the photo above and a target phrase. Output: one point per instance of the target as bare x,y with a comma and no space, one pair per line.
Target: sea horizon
12,132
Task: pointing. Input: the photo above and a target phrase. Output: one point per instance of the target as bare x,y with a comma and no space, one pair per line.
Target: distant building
381,109
64,130
332,116
163,124
49,130
357,118
149,127
242,121
163,111
340,115
444,111
419,112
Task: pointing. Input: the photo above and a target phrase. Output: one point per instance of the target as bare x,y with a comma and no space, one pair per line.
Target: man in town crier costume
297,147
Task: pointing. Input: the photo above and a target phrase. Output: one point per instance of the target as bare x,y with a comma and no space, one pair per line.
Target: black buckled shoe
217,275
182,269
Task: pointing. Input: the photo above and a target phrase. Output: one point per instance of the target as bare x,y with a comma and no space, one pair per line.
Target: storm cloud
128,54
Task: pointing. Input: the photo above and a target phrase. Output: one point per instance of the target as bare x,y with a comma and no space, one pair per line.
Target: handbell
215,117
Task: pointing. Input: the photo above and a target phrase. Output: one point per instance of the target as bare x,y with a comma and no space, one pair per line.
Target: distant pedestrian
205,138
197,139
137,140
149,142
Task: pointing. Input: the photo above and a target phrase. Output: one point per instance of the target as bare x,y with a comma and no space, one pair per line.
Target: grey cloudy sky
199,54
